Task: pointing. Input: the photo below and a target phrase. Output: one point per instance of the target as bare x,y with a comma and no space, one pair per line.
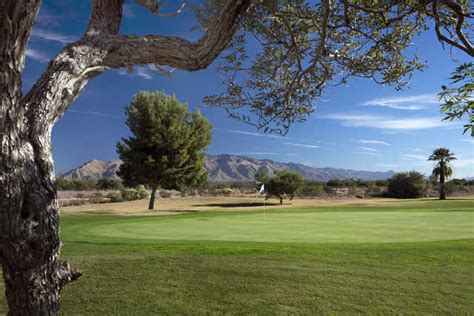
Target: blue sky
361,126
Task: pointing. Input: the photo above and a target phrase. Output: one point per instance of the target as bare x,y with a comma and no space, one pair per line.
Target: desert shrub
455,187
222,186
242,185
407,185
109,184
84,185
381,183
78,185
312,188
142,192
335,183
63,184
226,191
115,197
374,190
129,194
98,198
80,195
165,194
352,191
329,189
132,194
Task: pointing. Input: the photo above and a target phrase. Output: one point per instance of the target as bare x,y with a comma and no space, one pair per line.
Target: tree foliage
442,169
285,183
458,98
167,145
109,184
407,185
299,48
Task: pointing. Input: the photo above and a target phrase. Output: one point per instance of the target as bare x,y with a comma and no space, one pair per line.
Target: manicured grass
399,258
311,227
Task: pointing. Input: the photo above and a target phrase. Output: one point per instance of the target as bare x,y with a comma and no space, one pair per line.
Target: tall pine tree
167,146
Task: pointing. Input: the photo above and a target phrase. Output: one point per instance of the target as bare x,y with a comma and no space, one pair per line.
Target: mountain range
231,168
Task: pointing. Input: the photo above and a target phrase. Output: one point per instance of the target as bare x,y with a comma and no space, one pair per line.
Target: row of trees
85,185
402,185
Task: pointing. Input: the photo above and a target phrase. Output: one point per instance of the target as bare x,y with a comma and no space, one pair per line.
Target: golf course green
393,258
310,227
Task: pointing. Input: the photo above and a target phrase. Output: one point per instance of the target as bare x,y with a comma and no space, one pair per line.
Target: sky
361,126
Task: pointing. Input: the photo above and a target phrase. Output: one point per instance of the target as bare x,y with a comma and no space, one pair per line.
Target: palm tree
442,168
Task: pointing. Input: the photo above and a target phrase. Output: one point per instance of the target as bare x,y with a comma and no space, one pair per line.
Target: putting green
310,227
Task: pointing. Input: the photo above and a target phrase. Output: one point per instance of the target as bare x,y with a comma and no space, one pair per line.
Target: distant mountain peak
231,168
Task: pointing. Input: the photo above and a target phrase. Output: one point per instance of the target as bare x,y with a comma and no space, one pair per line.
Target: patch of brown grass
193,204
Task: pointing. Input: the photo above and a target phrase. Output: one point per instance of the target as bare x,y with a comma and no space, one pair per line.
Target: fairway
291,226
312,257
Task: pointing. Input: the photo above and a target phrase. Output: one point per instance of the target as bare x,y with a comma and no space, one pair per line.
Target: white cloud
368,149
302,145
234,131
52,36
143,72
36,55
413,157
95,113
414,102
367,153
386,123
464,162
387,165
370,141
262,153
468,141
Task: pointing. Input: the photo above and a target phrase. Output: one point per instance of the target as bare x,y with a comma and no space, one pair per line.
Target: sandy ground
171,206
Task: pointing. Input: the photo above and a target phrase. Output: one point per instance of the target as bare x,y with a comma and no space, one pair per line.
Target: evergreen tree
167,146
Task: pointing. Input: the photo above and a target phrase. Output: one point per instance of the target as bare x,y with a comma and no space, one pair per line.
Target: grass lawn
403,257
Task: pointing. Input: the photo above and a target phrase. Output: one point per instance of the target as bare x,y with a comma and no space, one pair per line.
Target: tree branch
153,6
71,69
465,46
127,50
105,18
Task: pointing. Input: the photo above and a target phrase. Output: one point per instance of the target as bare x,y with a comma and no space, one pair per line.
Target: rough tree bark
29,213
442,187
151,204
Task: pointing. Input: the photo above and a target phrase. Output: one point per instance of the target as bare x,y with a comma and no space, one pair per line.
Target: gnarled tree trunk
29,213
29,231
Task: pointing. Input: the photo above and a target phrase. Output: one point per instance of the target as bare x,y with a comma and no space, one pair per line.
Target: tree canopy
167,146
407,185
285,183
458,98
302,47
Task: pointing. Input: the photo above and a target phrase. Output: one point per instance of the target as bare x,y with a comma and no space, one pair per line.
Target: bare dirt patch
173,206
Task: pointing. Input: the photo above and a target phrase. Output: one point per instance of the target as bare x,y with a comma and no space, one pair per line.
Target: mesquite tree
285,183
300,47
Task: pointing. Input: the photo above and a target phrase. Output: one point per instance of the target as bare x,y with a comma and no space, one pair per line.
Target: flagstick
264,209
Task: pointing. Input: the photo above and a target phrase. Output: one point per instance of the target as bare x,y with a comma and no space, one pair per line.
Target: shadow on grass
243,204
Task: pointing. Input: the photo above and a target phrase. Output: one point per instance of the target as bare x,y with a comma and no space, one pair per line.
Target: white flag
262,189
